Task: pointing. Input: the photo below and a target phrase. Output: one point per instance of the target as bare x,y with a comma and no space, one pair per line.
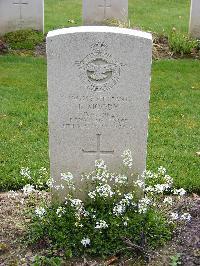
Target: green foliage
67,237
108,215
23,39
180,43
37,178
175,260
45,261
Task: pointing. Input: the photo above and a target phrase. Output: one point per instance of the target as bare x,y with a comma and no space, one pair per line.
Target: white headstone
195,19
97,11
21,14
98,92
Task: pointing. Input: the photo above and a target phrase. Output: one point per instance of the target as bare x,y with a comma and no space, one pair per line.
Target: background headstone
195,19
21,14
95,12
98,90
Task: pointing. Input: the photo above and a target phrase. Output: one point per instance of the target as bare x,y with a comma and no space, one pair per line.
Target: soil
14,251
161,50
3,47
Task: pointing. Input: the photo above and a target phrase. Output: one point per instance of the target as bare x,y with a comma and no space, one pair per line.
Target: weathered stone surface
95,12
98,89
195,19
21,14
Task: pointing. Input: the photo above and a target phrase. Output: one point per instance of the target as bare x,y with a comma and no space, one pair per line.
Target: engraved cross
98,150
20,4
105,5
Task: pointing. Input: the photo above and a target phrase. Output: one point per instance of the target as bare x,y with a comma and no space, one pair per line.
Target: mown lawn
174,119
155,15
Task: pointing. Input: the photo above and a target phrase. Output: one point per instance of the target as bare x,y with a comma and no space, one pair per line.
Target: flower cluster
127,158
168,200
52,184
143,205
101,224
100,164
69,179
101,191
180,192
25,172
40,211
120,208
85,242
114,205
28,189
60,211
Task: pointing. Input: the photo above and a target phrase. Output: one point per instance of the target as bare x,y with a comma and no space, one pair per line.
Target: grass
154,15
174,119
23,117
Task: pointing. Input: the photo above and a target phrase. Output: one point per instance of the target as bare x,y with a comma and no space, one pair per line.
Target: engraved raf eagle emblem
99,72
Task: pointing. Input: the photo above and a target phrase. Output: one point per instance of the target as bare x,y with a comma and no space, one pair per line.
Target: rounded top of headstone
100,29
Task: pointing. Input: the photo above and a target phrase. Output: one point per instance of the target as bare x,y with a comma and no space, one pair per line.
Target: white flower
125,219
162,170
174,216
180,192
92,194
159,188
127,158
25,171
79,207
101,224
100,164
128,196
43,170
28,189
50,182
140,183
101,176
40,211
119,179
186,216
168,200
85,213
168,179
104,191
148,175
119,209
67,177
76,202
143,205
85,242
60,211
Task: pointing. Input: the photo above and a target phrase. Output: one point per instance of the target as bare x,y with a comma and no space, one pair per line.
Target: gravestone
95,12
21,14
194,28
98,93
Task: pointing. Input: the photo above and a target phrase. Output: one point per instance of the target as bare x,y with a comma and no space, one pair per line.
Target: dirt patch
14,251
161,50
3,47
